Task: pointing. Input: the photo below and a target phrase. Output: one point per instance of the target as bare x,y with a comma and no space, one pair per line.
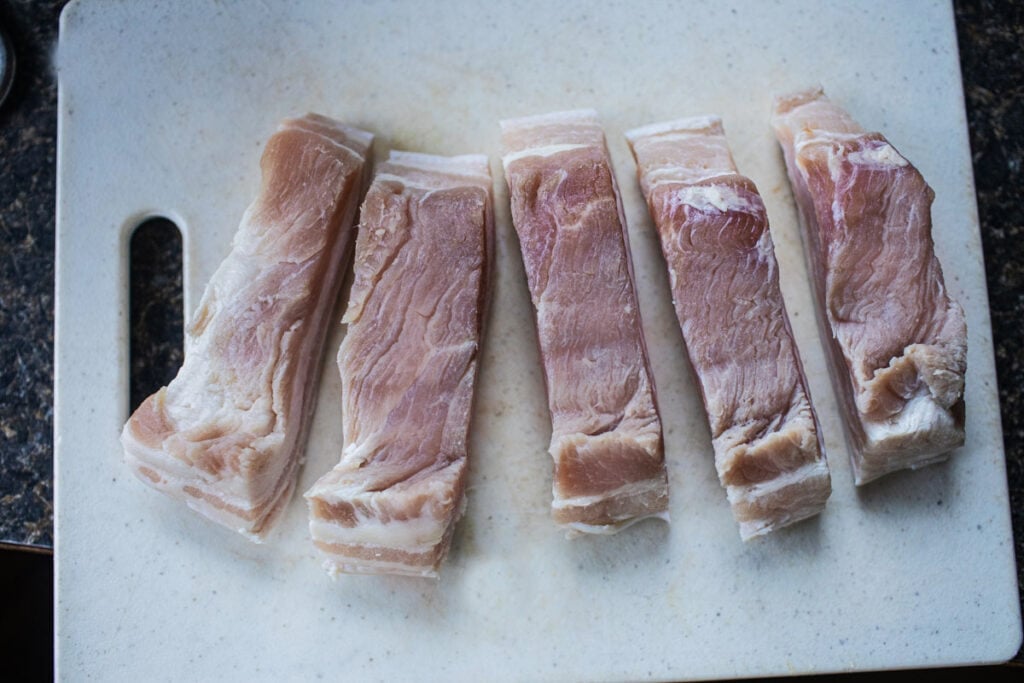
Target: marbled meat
897,340
606,438
725,287
408,363
228,434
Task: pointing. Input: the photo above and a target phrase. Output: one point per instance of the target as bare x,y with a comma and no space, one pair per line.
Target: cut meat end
227,435
606,437
404,529
714,236
897,341
408,367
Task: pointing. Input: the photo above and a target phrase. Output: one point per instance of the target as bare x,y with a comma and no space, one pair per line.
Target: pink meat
227,435
408,367
606,438
897,341
725,286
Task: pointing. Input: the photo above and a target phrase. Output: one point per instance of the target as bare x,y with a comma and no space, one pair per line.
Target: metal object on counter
6,65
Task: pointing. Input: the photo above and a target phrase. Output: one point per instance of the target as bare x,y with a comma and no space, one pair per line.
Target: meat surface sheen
897,340
714,236
227,435
408,366
606,438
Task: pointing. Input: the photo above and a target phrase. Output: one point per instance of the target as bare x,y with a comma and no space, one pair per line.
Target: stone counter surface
990,36
28,133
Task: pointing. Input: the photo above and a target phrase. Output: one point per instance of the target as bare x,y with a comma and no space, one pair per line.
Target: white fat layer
230,491
334,568
359,153
921,414
631,489
573,116
805,482
175,474
680,174
811,137
677,129
751,492
473,165
436,172
361,138
415,535
427,187
545,151
574,529
886,155
719,197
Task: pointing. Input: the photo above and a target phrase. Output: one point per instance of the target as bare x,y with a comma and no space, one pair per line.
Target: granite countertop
28,133
990,35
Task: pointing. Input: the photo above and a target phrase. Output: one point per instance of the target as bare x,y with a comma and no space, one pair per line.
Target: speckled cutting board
164,109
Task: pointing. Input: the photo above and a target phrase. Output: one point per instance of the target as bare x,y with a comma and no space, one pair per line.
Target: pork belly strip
714,236
606,438
408,367
897,341
227,435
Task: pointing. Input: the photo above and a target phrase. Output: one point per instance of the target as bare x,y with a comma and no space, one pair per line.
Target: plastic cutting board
164,110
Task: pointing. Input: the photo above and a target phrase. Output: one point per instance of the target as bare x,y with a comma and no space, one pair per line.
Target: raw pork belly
408,367
227,435
606,433
725,287
897,341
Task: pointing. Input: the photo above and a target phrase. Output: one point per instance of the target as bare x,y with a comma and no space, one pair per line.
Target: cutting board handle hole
155,304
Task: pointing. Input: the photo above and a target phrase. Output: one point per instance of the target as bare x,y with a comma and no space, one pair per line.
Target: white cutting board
164,109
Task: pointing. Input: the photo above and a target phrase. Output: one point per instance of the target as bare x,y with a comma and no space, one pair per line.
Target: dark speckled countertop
991,36
28,132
